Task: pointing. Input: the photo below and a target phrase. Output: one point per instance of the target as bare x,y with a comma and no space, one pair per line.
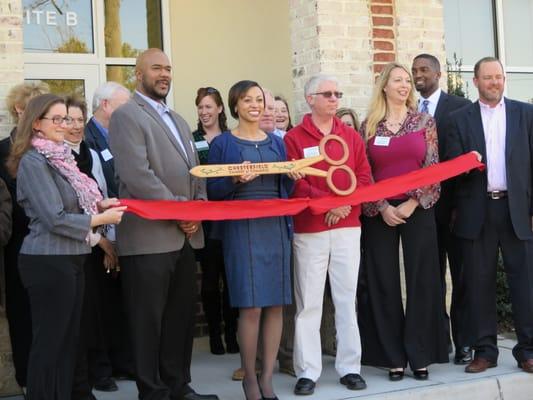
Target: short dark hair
77,102
238,91
485,60
431,58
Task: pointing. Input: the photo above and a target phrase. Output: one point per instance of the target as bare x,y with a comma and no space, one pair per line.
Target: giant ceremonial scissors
283,167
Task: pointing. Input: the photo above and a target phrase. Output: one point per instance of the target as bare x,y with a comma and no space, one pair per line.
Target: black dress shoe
353,382
190,394
106,384
421,374
463,356
215,345
396,375
304,386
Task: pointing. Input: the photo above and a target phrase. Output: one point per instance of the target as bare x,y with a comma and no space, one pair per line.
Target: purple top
403,154
412,147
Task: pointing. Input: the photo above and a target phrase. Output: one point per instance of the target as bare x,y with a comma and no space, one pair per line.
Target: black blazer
96,141
446,105
466,134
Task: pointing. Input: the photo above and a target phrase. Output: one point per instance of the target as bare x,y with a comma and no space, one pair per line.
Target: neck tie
425,108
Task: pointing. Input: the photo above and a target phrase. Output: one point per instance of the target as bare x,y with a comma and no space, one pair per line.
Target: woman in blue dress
256,251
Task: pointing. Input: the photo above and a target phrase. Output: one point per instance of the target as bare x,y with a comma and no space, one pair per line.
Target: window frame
499,47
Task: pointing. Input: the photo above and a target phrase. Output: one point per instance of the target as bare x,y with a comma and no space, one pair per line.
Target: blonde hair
378,102
19,95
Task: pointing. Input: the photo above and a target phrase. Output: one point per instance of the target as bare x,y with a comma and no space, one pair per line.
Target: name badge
201,145
106,155
311,152
382,141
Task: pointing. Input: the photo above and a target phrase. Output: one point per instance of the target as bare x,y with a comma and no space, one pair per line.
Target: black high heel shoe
421,374
396,375
261,391
244,390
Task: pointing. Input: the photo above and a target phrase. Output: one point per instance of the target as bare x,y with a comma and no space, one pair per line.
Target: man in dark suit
426,75
494,212
112,357
153,151
106,99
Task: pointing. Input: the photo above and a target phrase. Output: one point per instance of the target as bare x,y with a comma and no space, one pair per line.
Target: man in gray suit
153,150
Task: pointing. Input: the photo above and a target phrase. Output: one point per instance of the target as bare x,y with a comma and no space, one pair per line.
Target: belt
497,194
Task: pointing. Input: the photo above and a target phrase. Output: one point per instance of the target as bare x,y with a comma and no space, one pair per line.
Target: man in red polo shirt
327,243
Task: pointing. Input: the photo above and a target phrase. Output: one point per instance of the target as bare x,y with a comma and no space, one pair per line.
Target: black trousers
449,250
159,294
216,302
92,343
17,310
389,337
55,287
480,257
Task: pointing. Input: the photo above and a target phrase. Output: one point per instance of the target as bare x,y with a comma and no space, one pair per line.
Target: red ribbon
198,210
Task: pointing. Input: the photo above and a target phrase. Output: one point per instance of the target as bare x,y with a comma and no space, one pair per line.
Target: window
104,36
58,26
501,28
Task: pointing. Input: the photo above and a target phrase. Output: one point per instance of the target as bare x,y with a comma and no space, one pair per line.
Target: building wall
354,39
332,37
217,43
11,62
11,70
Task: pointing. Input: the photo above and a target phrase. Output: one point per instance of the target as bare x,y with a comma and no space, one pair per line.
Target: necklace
396,123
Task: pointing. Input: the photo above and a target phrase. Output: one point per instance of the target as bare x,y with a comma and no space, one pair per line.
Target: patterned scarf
59,156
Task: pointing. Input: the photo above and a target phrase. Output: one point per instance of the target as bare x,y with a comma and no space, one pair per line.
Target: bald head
153,73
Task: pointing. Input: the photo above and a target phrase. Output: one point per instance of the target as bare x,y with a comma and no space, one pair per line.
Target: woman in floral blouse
400,140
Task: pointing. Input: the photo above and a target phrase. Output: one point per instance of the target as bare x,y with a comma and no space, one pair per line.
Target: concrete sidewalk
211,374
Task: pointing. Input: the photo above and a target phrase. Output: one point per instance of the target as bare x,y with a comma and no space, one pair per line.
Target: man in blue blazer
494,212
107,97
439,104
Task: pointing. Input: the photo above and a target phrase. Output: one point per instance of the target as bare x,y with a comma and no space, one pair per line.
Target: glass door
63,79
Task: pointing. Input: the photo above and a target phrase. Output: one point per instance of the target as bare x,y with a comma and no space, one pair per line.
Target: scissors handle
327,158
335,189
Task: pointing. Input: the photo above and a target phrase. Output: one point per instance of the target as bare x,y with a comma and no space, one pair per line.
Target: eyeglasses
211,90
329,93
58,120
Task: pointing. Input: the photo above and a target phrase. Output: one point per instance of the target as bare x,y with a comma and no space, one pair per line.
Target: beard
151,90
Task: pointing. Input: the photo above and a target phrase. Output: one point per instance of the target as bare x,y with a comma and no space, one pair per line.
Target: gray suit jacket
150,165
57,224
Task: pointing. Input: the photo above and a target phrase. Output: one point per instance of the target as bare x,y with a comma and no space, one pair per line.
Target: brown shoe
526,365
238,374
479,364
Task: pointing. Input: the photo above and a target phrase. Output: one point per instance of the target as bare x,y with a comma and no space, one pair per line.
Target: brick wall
332,37
420,29
383,33
11,61
354,39
11,70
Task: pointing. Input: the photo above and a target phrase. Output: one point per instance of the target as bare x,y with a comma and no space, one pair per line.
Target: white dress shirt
432,102
164,112
494,128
